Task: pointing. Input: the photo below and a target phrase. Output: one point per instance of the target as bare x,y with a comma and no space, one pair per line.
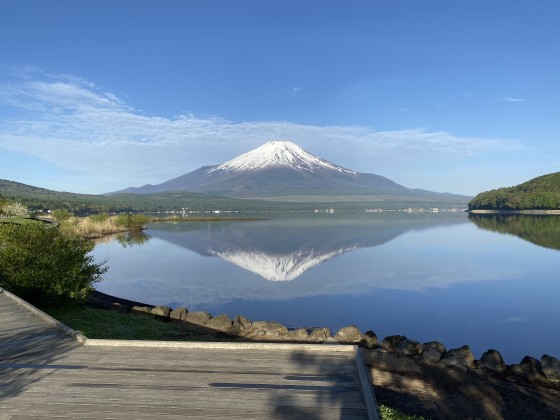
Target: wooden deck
45,373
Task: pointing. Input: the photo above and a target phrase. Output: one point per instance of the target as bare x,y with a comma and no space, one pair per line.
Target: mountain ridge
279,169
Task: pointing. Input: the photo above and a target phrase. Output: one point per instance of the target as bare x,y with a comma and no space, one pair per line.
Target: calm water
489,282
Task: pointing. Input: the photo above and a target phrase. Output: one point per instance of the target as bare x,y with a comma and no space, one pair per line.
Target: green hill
541,193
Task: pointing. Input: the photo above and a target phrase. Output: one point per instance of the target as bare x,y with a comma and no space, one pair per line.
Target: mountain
283,171
541,193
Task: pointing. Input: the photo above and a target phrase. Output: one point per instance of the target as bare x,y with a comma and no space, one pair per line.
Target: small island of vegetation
539,194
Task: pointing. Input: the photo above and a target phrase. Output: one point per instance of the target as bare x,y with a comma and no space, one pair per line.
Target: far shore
509,211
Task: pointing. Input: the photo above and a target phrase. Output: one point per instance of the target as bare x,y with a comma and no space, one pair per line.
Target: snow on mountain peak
276,154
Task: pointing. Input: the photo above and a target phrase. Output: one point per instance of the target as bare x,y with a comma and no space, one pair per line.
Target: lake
491,282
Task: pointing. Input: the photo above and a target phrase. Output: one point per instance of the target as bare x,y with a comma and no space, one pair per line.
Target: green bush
132,221
44,266
62,215
100,218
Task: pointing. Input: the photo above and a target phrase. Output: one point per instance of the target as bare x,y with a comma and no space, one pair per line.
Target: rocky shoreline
434,352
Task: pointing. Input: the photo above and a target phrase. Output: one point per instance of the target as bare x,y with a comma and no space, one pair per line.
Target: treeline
40,199
542,193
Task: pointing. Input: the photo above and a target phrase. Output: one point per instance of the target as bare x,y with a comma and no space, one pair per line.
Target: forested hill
541,193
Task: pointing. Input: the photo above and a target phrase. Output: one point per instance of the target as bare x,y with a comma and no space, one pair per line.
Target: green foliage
132,221
100,218
61,215
542,193
44,266
14,210
388,413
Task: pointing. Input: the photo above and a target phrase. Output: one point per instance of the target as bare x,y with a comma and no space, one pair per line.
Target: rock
241,320
370,340
198,317
319,334
270,328
530,368
408,347
349,335
300,334
179,313
390,343
162,311
461,357
492,359
430,355
220,323
141,309
551,368
436,345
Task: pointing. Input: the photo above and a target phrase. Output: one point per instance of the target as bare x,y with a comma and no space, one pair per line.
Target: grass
388,413
112,324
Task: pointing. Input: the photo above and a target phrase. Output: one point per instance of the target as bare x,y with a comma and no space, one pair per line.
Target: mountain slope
281,169
541,193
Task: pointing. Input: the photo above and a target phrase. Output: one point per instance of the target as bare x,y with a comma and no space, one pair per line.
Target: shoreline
509,211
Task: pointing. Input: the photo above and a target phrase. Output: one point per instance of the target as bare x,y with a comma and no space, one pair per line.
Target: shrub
44,266
14,210
62,215
132,221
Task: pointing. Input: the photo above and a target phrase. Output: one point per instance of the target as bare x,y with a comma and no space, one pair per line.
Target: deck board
45,373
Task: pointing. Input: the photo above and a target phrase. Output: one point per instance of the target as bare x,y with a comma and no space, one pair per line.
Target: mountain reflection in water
283,249
542,230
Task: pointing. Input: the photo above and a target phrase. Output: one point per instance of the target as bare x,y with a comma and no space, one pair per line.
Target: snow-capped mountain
278,154
282,170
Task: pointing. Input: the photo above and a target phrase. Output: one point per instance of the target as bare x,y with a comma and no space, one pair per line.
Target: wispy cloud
512,99
73,124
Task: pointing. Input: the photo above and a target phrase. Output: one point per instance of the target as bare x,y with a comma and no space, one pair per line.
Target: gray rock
370,340
461,357
349,335
430,355
162,311
436,345
492,359
319,334
141,309
300,334
241,320
198,317
121,308
408,347
220,323
179,313
270,328
390,343
530,368
551,368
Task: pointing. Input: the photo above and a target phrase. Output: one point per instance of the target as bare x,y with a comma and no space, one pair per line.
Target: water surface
428,276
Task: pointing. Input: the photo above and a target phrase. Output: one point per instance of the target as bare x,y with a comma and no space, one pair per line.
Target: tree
44,266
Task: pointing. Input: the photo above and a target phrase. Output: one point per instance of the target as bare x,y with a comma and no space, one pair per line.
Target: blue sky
457,96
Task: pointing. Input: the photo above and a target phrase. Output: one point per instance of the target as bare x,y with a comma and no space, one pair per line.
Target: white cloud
76,126
512,99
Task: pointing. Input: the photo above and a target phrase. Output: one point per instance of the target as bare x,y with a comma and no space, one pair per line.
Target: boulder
119,307
551,368
430,355
241,320
492,359
370,340
319,334
461,357
179,313
390,343
270,328
349,335
198,317
529,368
408,347
436,345
145,309
299,334
162,311
220,323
